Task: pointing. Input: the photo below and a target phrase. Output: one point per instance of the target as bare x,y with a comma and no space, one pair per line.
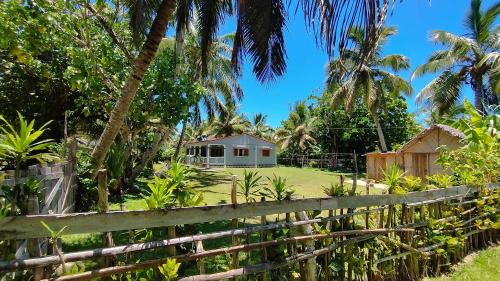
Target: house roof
213,138
450,130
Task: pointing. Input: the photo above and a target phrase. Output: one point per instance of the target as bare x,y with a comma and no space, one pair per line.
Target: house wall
429,145
254,146
379,162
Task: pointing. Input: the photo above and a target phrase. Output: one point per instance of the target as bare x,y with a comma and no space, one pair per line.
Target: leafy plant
249,186
178,176
335,190
477,162
413,183
279,190
392,178
115,164
53,236
31,186
441,180
169,269
160,195
24,144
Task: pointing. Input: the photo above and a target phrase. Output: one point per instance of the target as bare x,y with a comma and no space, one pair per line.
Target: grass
215,184
484,265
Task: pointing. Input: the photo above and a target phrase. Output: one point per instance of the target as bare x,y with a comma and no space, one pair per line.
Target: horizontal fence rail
390,218
25,227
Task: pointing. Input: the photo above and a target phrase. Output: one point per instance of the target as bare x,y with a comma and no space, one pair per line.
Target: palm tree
468,59
296,131
229,123
259,127
220,80
369,81
259,33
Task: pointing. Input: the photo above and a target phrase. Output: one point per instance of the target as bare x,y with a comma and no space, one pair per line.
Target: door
420,164
380,166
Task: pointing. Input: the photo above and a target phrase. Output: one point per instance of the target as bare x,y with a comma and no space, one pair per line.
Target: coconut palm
471,59
229,123
220,80
259,127
295,131
259,33
371,81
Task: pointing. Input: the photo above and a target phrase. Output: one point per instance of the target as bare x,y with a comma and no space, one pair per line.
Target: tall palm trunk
477,85
133,82
383,145
181,140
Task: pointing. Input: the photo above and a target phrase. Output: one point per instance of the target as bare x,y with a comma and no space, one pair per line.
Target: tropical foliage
24,143
470,59
295,133
477,162
370,82
250,185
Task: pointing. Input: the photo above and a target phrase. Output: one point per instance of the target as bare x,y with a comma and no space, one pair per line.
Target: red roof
214,138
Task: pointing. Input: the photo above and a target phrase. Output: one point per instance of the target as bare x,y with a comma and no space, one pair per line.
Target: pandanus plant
249,186
23,144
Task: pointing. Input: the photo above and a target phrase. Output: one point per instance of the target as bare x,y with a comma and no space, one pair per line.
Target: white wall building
242,150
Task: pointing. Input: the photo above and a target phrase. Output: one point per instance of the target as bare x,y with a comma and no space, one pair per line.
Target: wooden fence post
103,207
310,264
234,223
34,248
263,237
201,261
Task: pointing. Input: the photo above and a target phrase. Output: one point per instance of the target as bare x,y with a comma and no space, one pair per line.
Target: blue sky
414,20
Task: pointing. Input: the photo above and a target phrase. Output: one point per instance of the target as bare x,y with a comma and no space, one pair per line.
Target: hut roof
450,130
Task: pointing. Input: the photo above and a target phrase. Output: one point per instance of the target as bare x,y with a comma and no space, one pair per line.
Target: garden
102,102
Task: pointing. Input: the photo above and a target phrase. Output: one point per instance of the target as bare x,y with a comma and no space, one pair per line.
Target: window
266,152
216,151
240,152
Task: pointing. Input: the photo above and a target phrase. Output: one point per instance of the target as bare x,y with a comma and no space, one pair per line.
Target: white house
242,150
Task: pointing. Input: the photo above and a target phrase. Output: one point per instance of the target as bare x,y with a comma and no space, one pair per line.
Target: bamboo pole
365,235
118,250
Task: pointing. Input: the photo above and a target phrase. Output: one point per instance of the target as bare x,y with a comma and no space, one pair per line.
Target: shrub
86,190
413,183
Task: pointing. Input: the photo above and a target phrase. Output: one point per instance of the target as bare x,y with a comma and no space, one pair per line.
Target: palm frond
141,14
443,92
211,15
395,62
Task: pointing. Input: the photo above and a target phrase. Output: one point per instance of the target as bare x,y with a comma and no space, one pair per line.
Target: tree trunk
383,145
133,82
148,156
181,140
477,86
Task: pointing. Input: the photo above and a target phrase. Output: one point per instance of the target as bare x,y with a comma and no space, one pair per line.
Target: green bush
86,191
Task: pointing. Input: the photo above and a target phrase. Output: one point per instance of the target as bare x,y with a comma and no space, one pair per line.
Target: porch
206,155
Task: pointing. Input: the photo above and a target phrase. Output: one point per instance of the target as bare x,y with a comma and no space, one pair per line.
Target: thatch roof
450,130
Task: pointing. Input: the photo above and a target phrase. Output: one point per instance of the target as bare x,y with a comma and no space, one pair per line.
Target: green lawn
484,266
216,183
